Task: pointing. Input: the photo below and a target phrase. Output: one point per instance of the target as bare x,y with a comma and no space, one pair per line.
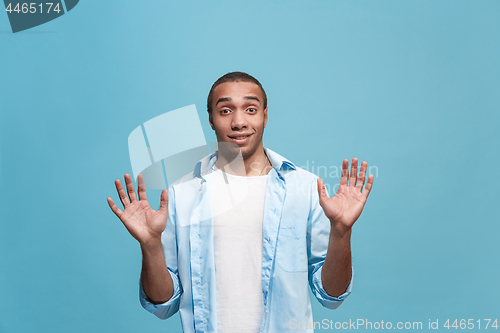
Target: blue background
410,86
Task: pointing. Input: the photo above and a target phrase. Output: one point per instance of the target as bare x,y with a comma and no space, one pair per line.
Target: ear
210,120
265,116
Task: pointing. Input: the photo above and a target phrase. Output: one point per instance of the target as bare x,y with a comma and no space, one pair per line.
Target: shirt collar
281,164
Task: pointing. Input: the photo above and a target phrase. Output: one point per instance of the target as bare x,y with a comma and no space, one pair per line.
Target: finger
368,186
141,187
113,207
164,202
321,190
130,188
345,172
354,172
362,175
121,193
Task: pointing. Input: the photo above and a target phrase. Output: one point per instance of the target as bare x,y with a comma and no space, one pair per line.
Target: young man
236,242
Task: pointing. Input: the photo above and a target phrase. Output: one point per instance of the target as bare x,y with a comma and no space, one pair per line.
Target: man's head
237,107
234,77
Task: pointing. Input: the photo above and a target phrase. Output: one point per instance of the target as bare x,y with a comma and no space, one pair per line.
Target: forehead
237,90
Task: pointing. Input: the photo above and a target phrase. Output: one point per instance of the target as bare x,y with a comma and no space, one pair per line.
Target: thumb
164,202
321,191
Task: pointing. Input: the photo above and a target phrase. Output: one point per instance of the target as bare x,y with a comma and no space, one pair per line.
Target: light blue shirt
295,235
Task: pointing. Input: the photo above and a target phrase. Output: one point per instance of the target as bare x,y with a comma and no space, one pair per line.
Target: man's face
238,115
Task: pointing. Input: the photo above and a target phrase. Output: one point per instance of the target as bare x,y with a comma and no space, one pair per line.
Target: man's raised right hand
143,223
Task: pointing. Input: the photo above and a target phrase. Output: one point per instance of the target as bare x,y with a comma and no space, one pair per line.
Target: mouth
240,138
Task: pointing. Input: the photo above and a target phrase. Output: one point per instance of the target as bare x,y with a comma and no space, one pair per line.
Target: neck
234,163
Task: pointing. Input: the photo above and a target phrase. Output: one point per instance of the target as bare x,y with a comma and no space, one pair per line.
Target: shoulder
289,170
192,179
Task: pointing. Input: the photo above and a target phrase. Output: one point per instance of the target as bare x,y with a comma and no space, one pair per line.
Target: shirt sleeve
326,300
163,310
169,243
318,234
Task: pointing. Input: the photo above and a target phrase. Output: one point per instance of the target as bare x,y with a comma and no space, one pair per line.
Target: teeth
239,137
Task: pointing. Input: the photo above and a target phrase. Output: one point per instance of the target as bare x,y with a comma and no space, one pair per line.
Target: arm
336,273
146,226
156,280
342,210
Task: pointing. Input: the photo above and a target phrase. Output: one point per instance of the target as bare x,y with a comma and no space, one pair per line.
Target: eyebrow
252,98
228,99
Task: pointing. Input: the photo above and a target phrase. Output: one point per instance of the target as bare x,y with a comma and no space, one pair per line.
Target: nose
239,121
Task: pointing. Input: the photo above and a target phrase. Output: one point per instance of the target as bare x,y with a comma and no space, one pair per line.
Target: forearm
155,277
337,271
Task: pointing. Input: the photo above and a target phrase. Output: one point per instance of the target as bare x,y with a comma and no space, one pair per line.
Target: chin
248,151
232,149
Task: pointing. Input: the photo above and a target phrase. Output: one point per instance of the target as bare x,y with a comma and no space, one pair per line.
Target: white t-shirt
238,211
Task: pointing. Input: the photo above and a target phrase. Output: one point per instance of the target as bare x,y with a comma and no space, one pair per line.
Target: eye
252,110
224,111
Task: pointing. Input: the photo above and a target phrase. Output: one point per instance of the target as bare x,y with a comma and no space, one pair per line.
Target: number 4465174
33,8
470,323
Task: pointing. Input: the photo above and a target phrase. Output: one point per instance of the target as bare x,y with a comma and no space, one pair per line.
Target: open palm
143,223
346,206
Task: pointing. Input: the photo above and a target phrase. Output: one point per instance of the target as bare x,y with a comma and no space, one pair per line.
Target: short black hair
233,77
